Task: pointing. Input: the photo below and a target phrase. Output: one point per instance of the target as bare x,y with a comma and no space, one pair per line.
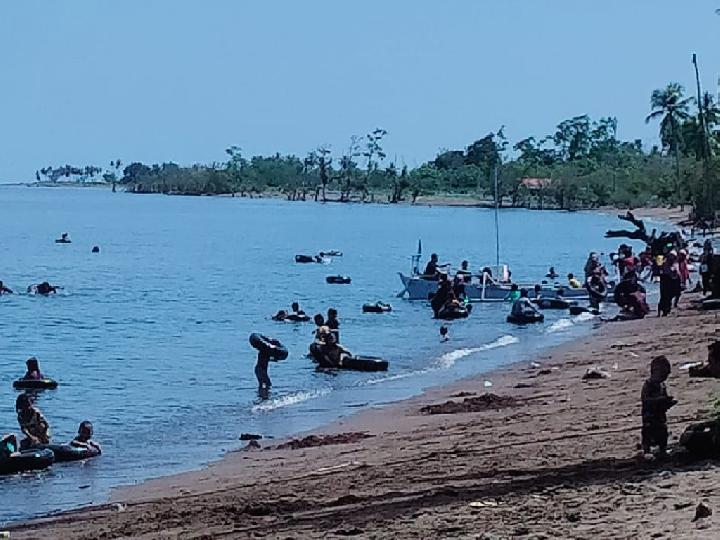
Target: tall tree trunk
677,158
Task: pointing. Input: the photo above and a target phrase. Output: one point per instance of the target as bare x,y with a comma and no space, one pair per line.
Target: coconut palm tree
671,107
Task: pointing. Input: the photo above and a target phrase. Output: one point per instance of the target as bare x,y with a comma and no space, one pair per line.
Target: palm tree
671,107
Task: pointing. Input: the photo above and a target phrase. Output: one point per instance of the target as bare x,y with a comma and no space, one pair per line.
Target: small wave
582,317
289,400
502,341
394,377
448,359
557,326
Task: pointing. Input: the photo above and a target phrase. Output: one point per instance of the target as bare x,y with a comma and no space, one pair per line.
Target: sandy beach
541,453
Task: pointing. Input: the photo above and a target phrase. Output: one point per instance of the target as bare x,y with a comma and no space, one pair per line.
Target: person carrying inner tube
32,423
84,437
33,372
4,289
523,307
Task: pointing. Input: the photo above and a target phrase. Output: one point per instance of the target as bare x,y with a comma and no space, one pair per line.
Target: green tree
670,106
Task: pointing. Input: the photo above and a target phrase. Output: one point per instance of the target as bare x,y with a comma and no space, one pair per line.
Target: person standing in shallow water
261,371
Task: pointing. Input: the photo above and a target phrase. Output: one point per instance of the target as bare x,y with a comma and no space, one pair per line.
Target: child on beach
655,404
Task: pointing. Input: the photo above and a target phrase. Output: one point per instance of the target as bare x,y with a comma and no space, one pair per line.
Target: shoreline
411,473
672,214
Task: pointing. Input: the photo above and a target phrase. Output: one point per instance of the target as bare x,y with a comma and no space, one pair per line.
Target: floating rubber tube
68,452
272,347
553,303
35,384
363,363
332,253
27,460
350,363
378,307
338,280
294,317
526,319
453,313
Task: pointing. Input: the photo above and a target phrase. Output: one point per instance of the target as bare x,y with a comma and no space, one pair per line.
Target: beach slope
540,454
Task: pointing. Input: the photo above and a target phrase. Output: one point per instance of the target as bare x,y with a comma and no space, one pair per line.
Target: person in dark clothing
333,323
441,297
629,295
705,267
33,369
84,437
655,404
670,284
261,371
4,289
597,289
431,269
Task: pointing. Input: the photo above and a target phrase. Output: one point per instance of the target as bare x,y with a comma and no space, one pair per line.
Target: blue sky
87,81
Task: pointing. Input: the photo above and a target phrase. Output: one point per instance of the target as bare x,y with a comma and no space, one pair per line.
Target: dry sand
547,455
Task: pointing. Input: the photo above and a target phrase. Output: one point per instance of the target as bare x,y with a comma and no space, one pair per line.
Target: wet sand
540,454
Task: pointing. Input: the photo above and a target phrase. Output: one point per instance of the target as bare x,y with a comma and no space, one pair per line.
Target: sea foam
289,400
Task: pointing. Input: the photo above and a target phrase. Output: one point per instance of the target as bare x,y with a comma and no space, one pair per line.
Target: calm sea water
149,338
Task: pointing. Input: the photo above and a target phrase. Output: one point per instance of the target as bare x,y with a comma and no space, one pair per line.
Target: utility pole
707,187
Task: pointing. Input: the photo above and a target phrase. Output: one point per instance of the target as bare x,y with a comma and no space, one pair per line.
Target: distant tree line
581,164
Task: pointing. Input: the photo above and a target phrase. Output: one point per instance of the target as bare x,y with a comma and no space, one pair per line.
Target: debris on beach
252,445
481,403
595,373
702,511
323,440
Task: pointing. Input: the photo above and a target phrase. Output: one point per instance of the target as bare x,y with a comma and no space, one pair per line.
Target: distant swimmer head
538,288
464,265
32,364
523,293
332,313
96,249
319,319
64,236
295,306
434,257
514,287
85,430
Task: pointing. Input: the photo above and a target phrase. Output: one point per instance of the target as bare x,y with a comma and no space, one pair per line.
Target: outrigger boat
482,287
